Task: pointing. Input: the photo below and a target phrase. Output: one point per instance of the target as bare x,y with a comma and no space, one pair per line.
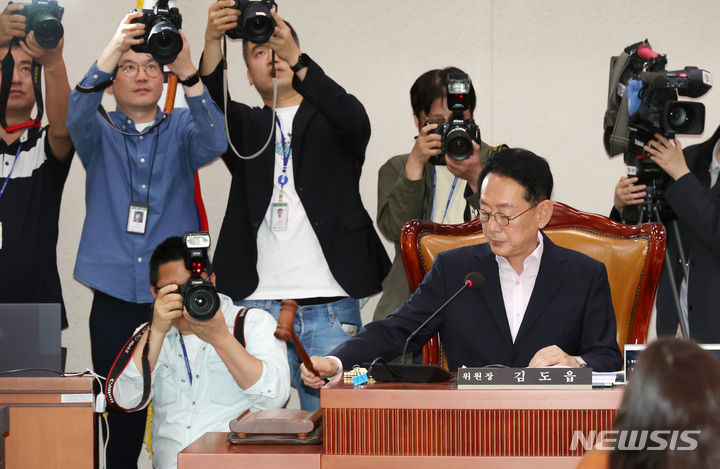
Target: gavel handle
302,353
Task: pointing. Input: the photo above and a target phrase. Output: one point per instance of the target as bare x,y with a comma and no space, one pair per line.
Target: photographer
34,167
129,172
410,186
202,376
694,197
323,251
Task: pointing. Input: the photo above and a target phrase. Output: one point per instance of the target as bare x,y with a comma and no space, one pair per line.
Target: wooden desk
51,422
428,425
213,450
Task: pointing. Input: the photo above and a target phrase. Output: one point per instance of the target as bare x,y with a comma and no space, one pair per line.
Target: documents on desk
524,378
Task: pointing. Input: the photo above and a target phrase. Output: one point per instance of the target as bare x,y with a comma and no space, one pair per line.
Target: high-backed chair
633,257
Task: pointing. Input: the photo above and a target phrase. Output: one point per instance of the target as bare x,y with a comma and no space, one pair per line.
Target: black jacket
570,307
697,209
330,134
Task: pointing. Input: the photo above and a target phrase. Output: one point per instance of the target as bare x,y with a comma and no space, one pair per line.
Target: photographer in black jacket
694,197
295,226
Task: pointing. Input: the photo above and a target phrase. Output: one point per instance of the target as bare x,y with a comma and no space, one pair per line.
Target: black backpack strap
239,329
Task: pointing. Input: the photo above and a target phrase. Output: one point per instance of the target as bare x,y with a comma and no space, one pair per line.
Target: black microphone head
474,280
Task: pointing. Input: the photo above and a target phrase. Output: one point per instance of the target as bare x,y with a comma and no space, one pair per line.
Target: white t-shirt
290,262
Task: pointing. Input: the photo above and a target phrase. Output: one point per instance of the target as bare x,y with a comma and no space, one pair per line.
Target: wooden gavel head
285,328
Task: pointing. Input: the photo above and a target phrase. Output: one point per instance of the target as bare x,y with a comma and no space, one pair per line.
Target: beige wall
540,70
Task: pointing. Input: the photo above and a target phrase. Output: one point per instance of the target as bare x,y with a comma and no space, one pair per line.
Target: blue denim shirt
110,259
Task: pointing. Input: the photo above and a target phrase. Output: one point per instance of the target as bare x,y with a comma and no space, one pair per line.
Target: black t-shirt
29,212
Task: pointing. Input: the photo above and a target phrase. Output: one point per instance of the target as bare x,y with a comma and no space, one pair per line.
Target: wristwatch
191,80
581,362
303,61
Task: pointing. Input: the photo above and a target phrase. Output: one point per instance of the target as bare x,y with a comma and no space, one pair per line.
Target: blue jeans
320,329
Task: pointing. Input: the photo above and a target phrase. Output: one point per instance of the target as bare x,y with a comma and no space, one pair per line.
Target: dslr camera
255,24
199,295
649,105
162,39
43,17
459,133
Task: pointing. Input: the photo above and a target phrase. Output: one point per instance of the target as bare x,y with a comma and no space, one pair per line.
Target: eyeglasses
130,69
501,218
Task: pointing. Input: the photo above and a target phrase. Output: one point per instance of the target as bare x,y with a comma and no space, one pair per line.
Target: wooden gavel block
286,332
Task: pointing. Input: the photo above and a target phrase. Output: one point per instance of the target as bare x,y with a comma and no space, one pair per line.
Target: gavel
286,331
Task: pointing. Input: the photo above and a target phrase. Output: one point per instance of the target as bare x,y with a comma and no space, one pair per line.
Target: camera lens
459,144
202,302
258,23
679,118
48,30
164,42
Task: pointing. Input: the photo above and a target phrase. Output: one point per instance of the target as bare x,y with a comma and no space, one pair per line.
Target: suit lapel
299,127
549,280
491,293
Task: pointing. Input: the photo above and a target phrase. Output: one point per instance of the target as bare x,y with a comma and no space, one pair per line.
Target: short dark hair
246,43
170,250
526,168
675,385
432,85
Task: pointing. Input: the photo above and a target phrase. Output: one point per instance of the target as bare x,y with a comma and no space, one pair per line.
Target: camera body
43,17
459,133
255,24
647,95
162,39
199,295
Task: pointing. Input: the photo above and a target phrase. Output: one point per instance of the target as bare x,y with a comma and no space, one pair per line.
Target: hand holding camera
222,17
668,155
627,192
127,35
168,306
427,144
48,58
11,25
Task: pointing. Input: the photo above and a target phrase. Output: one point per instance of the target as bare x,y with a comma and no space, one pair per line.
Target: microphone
473,280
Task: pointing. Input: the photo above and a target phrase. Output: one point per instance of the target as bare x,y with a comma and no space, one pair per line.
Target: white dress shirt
183,412
516,289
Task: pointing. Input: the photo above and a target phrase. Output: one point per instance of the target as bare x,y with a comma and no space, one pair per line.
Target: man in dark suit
541,305
694,198
322,249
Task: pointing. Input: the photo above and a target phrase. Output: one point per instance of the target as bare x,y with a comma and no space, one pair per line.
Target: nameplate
524,378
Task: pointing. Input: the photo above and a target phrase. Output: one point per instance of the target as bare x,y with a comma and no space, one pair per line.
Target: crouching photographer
674,186
206,360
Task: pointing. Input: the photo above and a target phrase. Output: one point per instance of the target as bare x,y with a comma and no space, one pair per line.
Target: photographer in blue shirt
145,161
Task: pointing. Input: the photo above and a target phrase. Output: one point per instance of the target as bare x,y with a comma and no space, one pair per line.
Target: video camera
162,39
458,134
43,17
255,23
643,101
199,295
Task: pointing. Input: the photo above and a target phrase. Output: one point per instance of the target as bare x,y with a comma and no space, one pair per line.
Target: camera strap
122,361
8,68
128,350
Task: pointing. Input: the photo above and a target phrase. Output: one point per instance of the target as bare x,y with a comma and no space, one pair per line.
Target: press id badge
279,216
137,217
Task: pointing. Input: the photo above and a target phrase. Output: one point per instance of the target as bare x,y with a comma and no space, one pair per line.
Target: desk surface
213,450
446,396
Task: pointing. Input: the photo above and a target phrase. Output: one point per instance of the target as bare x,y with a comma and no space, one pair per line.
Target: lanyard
17,155
152,165
447,205
286,152
187,362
